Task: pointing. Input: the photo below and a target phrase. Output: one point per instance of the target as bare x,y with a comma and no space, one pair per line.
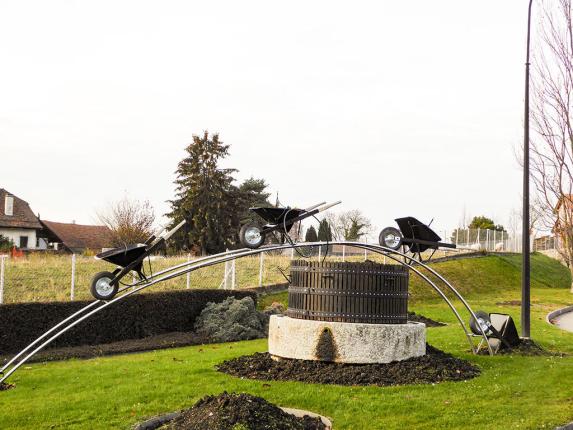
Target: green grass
512,392
494,274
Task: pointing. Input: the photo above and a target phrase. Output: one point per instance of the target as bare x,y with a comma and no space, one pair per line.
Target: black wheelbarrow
104,285
415,236
252,235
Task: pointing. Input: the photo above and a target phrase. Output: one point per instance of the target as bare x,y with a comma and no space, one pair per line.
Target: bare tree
129,220
552,143
349,225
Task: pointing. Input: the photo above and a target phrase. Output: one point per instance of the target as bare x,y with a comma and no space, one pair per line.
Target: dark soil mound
525,347
435,366
413,316
4,386
240,411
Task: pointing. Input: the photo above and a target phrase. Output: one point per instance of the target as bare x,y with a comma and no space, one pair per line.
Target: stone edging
554,314
550,316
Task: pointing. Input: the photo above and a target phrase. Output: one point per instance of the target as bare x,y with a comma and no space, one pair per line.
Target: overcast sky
397,108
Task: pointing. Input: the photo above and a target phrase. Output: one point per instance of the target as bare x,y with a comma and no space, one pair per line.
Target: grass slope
512,392
494,273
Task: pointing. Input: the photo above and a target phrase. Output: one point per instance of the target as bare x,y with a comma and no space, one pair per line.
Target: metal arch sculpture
13,364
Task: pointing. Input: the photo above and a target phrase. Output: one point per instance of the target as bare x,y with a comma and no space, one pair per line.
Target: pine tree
324,231
249,194
204,196
311,235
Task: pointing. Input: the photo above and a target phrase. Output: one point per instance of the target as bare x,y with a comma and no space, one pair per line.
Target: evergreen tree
311,235
204,196
249,194
484,223
324,231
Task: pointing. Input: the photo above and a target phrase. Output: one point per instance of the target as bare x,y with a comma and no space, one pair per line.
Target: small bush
231,320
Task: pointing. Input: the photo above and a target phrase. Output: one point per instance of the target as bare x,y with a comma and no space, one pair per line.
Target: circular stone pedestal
345,342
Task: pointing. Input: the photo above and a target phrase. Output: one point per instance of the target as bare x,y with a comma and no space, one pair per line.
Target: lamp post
525,270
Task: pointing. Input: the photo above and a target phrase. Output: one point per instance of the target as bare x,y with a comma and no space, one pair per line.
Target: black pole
526,270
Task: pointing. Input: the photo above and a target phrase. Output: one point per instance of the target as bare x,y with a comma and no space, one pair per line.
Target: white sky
397,108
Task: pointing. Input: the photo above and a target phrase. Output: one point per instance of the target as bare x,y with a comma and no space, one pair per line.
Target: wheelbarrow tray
416,233
123,256
277,216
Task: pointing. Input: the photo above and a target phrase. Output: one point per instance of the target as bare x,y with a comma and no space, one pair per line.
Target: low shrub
231,320
136,317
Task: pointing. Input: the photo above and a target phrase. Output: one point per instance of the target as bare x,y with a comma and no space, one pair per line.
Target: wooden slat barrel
348,292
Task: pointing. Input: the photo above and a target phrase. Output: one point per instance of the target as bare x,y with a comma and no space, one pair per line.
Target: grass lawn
512,392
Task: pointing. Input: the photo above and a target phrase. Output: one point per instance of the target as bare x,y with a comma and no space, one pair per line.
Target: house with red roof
28,233
76,238
18,223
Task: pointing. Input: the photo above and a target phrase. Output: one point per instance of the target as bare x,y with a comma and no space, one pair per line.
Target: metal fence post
225,275
233,276
468,237
343,253
487,240
2,266
73,289
319,252
188,280
261,267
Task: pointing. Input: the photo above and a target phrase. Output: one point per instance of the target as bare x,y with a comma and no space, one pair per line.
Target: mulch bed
240,411
413,316
162,341
435,366
526,347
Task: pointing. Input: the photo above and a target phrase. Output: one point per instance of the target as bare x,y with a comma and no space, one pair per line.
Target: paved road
565,321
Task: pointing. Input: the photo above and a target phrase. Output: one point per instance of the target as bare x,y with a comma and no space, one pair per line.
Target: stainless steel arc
207,261
96,302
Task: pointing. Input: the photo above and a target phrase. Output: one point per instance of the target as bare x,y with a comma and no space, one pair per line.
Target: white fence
487,240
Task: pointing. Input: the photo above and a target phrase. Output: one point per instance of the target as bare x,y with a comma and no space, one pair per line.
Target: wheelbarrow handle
324,208
171,232
314,206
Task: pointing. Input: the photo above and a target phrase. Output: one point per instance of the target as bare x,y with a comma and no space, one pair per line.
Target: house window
23,241
9,206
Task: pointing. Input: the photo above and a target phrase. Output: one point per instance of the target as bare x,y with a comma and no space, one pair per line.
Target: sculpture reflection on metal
98,305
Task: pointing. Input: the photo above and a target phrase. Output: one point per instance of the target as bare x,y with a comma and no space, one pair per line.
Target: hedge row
136,317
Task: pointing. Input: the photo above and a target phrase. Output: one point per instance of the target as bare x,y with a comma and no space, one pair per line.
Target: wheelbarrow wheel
251,236
390,237
101,287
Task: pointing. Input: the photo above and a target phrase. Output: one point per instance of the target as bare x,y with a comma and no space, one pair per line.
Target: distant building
76,238
544,243
18,223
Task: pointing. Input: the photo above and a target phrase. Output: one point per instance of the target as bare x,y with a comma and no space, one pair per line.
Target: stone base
345,342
